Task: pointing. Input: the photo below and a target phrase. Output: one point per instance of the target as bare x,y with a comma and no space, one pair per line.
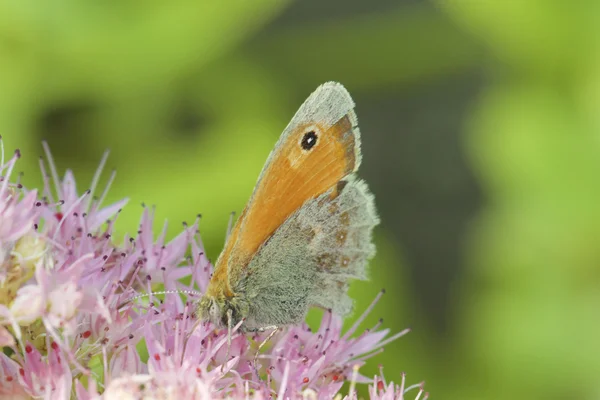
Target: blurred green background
481,136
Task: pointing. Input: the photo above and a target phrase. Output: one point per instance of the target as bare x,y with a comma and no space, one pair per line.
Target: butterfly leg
262,344
229,333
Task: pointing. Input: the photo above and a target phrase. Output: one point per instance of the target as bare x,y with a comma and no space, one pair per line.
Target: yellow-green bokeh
190,97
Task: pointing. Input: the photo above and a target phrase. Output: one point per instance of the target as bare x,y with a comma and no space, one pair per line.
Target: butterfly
306,230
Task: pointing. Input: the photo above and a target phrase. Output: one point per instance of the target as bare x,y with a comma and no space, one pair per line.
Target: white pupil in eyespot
309,140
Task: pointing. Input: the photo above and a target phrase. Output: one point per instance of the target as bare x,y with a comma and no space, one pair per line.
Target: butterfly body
306,230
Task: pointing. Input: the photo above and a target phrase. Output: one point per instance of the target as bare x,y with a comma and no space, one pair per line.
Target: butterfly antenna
188,292
262,344
229,225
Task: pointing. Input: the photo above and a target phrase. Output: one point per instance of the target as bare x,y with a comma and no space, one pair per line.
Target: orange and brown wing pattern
320,147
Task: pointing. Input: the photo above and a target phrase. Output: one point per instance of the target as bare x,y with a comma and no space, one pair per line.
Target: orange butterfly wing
293,175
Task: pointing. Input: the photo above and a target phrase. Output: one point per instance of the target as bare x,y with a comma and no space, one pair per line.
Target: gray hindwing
311,257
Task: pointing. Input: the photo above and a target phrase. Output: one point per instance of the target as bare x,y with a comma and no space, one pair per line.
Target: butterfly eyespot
309,140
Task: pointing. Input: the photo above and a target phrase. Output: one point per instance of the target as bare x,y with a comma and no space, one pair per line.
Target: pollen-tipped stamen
68,212
10,166
363,316
52,169
99,202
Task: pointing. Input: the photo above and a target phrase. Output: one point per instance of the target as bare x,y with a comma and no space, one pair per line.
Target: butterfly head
215,309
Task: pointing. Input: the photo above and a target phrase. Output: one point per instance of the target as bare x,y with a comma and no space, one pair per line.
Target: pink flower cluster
79,319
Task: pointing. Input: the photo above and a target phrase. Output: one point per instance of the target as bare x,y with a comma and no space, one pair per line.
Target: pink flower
63,303
169,386
84,316
16,214
126,361
47,376
10,387
390,391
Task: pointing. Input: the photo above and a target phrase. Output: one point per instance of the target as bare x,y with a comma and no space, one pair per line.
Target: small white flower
29,304
64,301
